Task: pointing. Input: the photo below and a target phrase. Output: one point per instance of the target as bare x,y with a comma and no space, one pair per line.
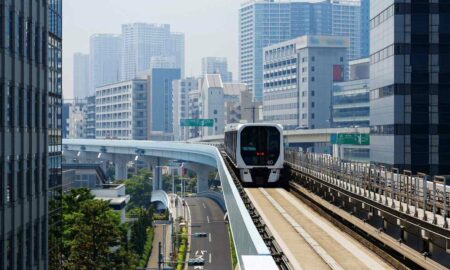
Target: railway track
301,235
309,240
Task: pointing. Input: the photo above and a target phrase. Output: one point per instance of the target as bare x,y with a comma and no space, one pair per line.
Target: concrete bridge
199,158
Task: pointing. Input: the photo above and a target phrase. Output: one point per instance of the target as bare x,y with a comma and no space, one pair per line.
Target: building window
342,59
313,79
313,104
313,68
312,116
313,58
312,93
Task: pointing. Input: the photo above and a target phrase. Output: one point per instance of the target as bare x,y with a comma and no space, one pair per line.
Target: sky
210,28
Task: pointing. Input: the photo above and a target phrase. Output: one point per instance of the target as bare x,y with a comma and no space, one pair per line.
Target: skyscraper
54,138
142,41
266,22
263,23
347,16
81,75
30,134
161,95
175,48
216,65
105,53
409,81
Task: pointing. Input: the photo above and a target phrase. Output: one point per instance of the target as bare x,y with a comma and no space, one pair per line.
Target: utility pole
253,108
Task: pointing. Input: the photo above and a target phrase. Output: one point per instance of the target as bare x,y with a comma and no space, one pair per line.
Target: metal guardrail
411,209
416,192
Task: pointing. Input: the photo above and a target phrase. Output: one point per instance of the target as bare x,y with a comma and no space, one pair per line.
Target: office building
175,48
89,120
211,103
161,93
81,75
350,18
277,21
65,120
217,65
162,62
181,90
30,136
298,77
105,57
194,112
81,119
142,41
122,110
351,106
409,82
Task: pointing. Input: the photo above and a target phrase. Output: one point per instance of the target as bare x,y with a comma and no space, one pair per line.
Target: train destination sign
197,122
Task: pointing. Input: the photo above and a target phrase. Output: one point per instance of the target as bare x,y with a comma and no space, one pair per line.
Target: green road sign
197,122
350,139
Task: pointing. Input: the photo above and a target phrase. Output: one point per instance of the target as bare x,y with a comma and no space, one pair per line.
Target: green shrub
147,248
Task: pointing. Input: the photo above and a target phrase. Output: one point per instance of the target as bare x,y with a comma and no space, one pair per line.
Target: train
256,151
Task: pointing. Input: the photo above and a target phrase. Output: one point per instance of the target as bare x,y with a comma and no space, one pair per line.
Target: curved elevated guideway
248,242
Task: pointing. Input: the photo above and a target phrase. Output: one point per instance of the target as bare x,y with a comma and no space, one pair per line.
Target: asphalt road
206,216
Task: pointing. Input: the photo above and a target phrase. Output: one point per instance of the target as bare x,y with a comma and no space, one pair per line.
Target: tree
96,231
139,187
71,202
139,228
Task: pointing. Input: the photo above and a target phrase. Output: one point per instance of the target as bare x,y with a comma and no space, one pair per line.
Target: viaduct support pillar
202,172
120,163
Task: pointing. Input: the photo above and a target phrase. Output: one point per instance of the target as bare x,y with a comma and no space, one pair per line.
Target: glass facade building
350,104
266,22
104,57
30,134
410,79
142,41
161,96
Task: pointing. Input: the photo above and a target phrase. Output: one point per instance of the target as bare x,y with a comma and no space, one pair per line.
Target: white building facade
298,78
181,90
122,110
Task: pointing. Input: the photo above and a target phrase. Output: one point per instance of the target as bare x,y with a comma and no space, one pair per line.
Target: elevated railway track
315,224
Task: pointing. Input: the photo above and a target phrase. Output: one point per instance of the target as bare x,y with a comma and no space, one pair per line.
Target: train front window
260,146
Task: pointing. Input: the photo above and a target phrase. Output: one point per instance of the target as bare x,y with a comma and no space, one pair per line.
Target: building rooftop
234,89
213,80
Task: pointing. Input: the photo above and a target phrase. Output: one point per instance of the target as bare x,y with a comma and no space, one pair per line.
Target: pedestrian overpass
200,158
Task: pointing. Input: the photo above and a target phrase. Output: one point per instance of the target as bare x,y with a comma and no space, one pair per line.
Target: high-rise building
30,134
347,21
181,90
298,78
54,136
105,56
161,93
81,75
175,48
263,23
350,102
266,22
409,82
142,41
122,110
216,65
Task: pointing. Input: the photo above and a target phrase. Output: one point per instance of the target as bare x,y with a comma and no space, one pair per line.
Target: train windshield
260,146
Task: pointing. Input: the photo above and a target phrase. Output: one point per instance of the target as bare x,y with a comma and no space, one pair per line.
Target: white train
256,150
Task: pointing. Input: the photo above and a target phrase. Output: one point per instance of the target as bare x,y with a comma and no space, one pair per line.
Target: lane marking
305,235
210,257
207,218
210,237
204,206
332,232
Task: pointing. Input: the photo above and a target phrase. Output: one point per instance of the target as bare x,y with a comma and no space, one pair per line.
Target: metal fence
408,193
